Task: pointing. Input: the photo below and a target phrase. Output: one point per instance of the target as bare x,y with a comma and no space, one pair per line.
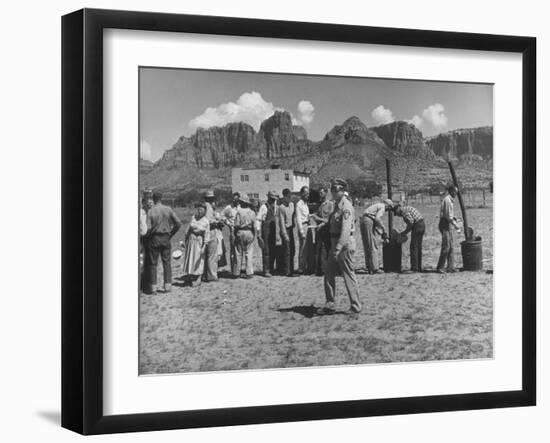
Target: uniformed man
245,233
322,240
162,224
267,216
372,232
342,248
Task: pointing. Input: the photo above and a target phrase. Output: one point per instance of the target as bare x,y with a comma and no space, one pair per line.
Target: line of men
273,225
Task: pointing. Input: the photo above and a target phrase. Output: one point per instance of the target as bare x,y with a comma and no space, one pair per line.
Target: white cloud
434,115
249,108
306,112
416,121
382,115
145,150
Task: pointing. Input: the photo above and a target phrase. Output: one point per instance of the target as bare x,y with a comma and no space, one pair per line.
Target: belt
244,229
333,235
160,233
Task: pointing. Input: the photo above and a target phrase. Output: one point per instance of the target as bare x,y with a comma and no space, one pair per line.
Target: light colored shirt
245,218
142,222
376,211
342,223
446,210
229,213
286,214
162,219
325,209
302,216
200,226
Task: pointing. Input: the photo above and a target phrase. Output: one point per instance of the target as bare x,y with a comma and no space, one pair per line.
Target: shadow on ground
311,311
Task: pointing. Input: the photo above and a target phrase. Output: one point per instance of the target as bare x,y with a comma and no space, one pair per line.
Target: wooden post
462,207
390,195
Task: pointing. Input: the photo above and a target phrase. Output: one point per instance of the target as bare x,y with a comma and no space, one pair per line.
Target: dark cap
340,182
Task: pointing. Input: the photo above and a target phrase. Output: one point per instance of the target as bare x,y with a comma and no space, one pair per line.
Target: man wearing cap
447,225
286,226
269,231
416,226
372,232
342,248
162,224
213,247
245,233
302,221
322,241
229,213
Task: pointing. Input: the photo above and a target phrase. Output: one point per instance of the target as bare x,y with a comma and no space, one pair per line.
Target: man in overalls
342,248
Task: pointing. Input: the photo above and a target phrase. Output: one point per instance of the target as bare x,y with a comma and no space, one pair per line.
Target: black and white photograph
295,221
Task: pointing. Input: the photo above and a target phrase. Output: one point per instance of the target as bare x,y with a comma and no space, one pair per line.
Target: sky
175,102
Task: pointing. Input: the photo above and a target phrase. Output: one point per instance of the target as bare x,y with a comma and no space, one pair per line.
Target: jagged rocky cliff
350,149
464,144
404,138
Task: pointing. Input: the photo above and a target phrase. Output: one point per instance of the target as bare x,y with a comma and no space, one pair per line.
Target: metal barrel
472,254
391,255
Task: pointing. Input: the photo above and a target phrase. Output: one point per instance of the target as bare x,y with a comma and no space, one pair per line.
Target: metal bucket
472,254
392,257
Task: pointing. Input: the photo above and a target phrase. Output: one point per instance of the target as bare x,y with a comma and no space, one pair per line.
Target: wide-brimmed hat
209,194
244,199
272,194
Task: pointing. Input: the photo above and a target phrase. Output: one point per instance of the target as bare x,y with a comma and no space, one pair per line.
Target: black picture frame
82,218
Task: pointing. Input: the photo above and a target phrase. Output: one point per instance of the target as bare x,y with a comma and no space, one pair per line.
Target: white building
256,183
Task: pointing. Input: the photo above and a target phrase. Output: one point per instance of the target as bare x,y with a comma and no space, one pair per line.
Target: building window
287,176
244,178
266,177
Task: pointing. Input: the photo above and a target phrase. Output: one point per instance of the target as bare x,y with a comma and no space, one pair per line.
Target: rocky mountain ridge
349,150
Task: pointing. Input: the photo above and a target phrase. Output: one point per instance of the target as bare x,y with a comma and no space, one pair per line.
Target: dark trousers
288,252
417,234
158,244
269,246
322,248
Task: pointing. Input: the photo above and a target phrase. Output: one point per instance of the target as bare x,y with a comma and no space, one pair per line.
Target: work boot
167,287
267,274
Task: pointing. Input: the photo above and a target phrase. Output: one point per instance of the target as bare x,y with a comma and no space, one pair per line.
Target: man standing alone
342,248
162,224
447,223
269,231
286,220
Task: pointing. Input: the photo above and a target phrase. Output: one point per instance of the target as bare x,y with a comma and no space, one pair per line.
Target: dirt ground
277,322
